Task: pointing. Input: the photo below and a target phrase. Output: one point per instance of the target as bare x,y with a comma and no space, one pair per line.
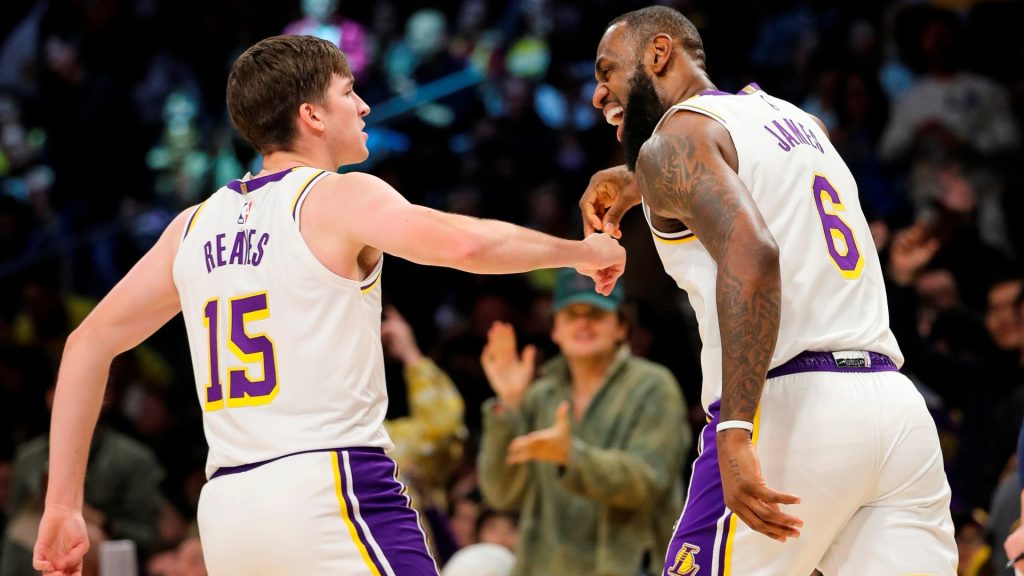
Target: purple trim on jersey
748,89
385,509
370,284
246,186
826,362
705,505
225,470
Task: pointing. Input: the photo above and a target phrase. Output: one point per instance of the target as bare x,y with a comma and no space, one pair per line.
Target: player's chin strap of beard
644,111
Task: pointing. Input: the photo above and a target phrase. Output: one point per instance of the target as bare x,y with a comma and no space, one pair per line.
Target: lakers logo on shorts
686,561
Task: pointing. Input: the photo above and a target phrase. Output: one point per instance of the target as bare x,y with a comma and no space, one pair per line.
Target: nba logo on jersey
243,216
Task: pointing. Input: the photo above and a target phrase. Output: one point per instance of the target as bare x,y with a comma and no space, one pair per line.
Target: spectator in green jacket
590,454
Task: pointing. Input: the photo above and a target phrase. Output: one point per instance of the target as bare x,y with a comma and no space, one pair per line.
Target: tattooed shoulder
682,175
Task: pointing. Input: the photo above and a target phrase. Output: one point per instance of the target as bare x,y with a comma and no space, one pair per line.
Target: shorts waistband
225,470
844,361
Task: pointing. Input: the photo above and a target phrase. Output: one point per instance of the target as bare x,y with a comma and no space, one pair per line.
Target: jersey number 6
250,349
839,239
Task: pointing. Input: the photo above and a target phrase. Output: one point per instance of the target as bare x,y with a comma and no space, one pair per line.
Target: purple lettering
214,392
248,246
792,128
789,137
813,139
238,250
256,259
255,348
208,252
782,143
849,260
220,250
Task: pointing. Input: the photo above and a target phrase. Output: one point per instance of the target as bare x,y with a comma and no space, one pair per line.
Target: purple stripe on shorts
826,362
355,512
255,183
392,523
693,544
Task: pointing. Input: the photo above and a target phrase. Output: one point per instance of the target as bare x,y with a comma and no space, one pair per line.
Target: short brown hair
275,76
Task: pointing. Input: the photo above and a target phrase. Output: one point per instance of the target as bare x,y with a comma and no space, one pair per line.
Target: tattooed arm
687,171
683,175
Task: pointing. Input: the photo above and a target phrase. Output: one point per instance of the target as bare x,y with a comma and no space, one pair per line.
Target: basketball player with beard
818,453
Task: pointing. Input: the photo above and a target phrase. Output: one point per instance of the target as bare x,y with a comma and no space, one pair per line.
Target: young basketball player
278,279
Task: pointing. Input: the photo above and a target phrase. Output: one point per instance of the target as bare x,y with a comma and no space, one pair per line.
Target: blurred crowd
112,120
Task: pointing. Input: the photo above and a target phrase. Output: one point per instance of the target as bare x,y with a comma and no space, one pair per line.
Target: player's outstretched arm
143,301
683,175
375,214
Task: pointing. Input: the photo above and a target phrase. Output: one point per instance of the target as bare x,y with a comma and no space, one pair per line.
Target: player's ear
309,115
658,53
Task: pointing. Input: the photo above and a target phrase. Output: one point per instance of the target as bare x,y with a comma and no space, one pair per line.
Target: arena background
112,120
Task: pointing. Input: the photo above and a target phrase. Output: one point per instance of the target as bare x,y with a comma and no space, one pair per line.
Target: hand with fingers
508,372
547,445
607,264
911,250
1014,547
610,194
62,542
745,491
398,338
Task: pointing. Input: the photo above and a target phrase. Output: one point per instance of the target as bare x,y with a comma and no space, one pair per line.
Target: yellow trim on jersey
730,535
748,89
674,240
261,314
302,191
194,218
372,284
336,468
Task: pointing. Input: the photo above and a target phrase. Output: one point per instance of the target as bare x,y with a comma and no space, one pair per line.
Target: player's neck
697,82
286,159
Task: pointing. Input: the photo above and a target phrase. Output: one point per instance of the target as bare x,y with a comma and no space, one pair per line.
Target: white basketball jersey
833,294
287,355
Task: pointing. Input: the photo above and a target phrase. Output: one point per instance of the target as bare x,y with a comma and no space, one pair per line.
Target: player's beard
643,112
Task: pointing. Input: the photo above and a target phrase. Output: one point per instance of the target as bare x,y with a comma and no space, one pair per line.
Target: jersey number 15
248,348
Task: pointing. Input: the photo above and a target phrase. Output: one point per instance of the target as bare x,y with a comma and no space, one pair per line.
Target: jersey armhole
300,198
192,219
704,111
721,121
